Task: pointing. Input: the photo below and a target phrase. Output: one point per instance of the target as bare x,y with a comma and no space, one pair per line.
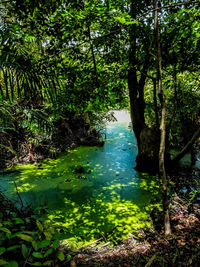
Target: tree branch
167,6
186,148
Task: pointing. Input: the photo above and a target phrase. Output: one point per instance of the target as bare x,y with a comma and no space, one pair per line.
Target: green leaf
27,238
9,236
2,250
2,262
60,255
37,263
43,244
24,251
12,264
6,230
30,233
30,37
48,252
62,236
8,223
35,245
39,225
16,234
56,244
37,255
48,235
19,221
69,257
13,247
65,35
47,263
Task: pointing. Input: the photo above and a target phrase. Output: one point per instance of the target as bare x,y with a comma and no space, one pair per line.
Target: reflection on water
114,195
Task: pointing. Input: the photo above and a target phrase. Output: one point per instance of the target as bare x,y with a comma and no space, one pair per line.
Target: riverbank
89,191
19,145
90,207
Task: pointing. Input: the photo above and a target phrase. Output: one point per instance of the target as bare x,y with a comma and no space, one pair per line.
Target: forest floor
150,247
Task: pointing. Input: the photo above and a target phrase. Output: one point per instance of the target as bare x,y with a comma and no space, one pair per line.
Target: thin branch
93,55
18,194
168,6
187,147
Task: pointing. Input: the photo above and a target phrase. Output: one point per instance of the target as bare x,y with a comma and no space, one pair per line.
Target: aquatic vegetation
114,197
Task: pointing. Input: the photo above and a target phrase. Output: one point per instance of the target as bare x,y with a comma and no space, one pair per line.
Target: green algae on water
112,197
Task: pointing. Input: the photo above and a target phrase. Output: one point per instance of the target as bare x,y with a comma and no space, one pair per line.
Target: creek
110,196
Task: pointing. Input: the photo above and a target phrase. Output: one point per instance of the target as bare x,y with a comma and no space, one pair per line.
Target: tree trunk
137,114
147,139
162,172
155,102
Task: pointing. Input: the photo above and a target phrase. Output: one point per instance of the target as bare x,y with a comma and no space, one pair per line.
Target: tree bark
175,98
155,102
162,172
137,114
147,139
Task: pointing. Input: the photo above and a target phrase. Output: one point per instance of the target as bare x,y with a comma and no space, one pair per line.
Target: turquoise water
113,195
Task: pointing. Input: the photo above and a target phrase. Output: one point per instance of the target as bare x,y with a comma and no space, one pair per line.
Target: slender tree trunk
1,90
93,55
18,85
155,102
5,76
175,98
162,172
10,76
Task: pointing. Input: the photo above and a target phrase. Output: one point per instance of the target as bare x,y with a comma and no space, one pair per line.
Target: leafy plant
28,240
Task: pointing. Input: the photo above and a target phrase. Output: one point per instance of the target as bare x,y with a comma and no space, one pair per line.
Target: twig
104,245
26,261
101,238
96,241
18,194
151,260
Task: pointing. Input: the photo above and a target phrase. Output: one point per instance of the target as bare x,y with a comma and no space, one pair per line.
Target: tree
92,48
148,137
161,94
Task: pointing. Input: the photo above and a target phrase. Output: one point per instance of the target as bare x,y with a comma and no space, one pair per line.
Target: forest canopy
65,65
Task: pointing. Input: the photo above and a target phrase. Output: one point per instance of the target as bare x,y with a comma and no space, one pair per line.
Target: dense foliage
65,64
75,55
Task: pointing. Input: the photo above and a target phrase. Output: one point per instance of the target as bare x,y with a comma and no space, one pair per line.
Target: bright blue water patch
114,195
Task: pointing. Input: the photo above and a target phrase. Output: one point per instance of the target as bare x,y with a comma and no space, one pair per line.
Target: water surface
113,197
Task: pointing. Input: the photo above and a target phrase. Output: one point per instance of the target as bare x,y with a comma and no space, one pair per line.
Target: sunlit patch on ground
113,197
